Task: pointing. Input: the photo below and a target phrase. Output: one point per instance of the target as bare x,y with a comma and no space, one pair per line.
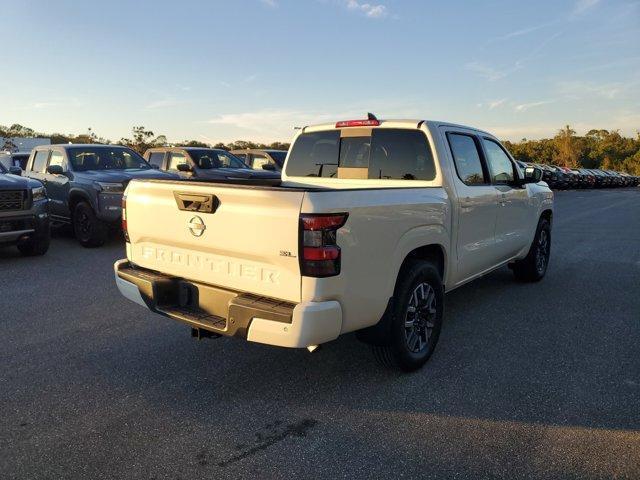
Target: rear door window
466,158
384,153
40,161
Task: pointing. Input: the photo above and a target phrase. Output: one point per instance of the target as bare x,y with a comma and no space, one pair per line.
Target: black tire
534,266
36,246
416,318
88,229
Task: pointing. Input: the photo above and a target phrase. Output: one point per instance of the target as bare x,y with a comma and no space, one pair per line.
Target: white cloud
269,3
367,9
583,6
577,89
490,73
496,103
523,107
523,31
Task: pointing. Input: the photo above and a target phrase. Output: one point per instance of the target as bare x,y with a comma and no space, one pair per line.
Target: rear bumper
230,313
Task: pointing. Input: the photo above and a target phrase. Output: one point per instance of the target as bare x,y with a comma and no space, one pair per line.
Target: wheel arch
428,242
76,196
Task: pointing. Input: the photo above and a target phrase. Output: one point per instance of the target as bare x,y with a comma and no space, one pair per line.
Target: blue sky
254,69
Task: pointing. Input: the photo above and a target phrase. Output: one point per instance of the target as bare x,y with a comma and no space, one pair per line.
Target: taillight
358,123
124,218
320,255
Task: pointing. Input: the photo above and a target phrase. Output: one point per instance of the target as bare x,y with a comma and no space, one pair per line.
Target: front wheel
89,230
416,318
534,266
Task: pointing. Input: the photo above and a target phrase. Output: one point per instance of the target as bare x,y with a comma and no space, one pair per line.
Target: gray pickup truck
24,219
208,164
85,184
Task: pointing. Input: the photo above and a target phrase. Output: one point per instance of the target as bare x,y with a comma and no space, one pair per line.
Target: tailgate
239,238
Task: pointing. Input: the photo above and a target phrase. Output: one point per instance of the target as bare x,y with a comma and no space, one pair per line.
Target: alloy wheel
420,317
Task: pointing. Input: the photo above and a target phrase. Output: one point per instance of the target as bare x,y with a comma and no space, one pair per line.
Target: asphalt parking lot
528,380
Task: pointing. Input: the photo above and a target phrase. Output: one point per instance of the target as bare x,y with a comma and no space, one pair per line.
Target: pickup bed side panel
248,244
384,225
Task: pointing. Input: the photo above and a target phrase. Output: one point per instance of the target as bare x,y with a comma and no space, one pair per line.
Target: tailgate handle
190,202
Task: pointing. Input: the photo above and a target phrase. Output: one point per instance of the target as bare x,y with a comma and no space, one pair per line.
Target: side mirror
269,166
183,167
15,171
532,175
55,170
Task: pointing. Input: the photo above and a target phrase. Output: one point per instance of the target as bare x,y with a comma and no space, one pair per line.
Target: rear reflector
358,123
124,218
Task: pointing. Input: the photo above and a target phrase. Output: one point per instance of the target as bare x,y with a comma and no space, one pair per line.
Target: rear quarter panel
384,225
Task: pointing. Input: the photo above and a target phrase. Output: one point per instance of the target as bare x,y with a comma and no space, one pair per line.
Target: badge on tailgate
190,202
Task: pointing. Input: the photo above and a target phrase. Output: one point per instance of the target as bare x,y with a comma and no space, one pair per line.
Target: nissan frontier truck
373,221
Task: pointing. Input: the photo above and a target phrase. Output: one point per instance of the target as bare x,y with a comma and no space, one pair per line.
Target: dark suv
85,184
24,219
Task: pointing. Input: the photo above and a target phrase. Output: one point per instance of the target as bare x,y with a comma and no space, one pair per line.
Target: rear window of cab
379,153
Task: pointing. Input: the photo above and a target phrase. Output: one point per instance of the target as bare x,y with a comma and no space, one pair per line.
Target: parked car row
85,184
561,178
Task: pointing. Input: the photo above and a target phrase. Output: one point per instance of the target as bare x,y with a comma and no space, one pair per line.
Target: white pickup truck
373,222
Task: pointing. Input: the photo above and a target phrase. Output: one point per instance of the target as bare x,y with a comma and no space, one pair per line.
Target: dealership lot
528,380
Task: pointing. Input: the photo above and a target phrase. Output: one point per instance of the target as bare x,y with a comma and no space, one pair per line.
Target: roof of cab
80,145
395,123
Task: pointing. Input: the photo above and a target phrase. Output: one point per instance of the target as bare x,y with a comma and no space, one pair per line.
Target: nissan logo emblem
196,226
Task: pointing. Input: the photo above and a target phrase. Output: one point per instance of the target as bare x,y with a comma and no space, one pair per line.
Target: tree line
140,140
606,149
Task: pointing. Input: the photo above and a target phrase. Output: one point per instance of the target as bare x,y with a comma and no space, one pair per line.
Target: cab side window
257,160
500,164
156,159
467,160
57,159
40,161
176,159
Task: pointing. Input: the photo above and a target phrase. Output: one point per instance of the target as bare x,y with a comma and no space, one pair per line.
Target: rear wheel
89,230
534,266
416,318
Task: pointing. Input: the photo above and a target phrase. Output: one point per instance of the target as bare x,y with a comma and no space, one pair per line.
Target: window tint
499,163
207,159
242,156
467,159
56,159
104,158
176,159
156,159
399,154
40,161
315,155
278,157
